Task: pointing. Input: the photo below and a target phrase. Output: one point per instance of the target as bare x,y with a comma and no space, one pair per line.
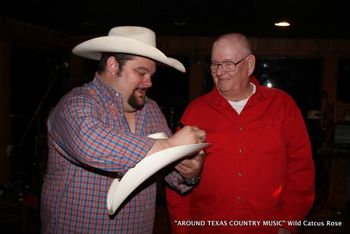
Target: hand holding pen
191,168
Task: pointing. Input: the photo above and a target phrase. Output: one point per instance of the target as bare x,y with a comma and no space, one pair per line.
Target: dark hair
120,57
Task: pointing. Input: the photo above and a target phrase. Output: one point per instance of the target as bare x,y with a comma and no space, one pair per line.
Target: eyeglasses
227,65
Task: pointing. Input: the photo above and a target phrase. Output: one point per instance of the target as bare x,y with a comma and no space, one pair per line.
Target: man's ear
112,65
251,64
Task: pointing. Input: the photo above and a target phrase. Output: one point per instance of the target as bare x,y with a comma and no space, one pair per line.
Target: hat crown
134,40
141,34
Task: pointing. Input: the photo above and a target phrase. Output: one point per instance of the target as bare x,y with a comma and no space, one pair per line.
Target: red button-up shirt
259,166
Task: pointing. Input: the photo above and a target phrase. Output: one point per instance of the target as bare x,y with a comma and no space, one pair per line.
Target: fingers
188,135
181,168
201,135
188,172
201,154
191,167
198,158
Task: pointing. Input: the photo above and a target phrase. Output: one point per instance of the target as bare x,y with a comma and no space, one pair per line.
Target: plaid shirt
90,144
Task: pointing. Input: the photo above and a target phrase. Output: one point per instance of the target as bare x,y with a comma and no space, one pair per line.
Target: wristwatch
192,181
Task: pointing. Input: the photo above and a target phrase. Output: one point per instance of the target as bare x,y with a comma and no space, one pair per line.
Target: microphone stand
54,75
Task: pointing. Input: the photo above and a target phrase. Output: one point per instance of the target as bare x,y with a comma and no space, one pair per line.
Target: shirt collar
106,91
218,99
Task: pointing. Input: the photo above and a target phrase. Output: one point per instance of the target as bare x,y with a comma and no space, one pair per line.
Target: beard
137,102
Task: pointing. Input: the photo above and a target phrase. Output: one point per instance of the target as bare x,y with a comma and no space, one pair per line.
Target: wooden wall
5,113
197,48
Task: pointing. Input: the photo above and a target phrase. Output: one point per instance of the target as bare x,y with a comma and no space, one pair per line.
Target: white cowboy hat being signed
126,39
120,189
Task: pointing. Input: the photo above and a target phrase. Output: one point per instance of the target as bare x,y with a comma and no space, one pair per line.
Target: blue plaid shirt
90,144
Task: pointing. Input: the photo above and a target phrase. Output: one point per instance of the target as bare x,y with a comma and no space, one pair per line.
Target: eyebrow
144,69
225,60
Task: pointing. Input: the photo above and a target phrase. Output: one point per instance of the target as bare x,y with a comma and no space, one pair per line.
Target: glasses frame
210,64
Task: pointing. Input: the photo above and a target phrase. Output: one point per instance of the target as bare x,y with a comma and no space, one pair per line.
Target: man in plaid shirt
97,132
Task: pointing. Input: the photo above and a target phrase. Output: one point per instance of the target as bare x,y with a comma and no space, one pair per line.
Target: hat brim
93,49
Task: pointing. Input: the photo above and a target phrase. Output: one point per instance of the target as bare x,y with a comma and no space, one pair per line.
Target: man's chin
137,102
138,105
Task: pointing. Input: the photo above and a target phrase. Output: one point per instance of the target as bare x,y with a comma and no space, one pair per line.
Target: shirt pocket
266,138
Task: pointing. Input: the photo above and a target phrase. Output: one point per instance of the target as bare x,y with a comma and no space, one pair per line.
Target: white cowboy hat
120,189
126,39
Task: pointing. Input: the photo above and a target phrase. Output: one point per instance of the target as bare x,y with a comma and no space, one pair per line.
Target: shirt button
241,151
239,174
241,128
238,198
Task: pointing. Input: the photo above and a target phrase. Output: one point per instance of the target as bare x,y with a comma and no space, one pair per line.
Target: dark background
255,18
40,75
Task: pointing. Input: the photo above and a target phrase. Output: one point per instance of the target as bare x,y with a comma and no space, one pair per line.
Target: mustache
141,89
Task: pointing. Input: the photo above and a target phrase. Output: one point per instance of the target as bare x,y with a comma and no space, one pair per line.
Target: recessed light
282,24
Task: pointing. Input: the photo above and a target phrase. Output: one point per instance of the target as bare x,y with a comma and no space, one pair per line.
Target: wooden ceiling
309,18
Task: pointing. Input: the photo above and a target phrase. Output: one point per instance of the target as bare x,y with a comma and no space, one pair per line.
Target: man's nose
147,81
220,69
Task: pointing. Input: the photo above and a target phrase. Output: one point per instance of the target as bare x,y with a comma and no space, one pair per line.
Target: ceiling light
282,24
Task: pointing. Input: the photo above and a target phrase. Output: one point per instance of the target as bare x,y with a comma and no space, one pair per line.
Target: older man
258,173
